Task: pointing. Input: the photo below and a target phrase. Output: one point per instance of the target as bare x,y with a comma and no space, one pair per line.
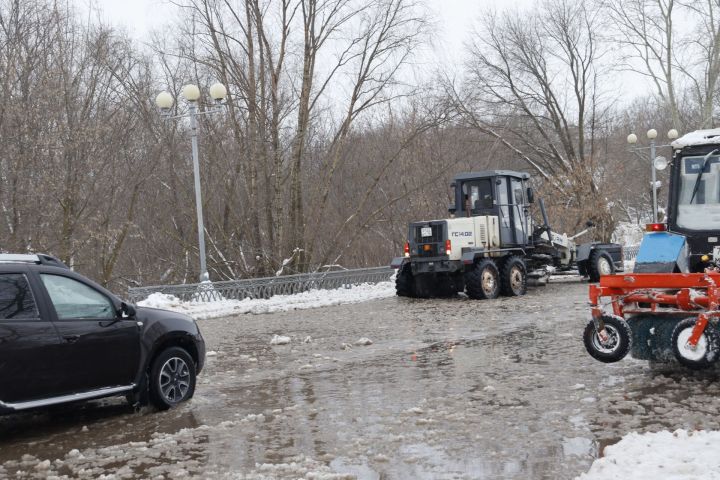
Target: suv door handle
71,338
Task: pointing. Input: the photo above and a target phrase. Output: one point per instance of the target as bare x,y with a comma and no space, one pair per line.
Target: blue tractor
667,307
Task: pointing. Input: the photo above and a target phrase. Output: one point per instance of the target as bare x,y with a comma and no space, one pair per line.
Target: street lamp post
191,93
656,163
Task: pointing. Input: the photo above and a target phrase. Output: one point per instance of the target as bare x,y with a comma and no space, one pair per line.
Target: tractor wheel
600,263
513,277
483,281
705,352
405,282
617,345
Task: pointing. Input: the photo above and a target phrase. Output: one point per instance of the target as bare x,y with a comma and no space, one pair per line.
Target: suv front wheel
172,378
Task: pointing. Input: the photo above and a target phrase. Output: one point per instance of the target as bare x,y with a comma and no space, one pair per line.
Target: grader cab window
478,195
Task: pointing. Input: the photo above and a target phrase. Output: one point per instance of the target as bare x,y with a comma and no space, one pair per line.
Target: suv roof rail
40,259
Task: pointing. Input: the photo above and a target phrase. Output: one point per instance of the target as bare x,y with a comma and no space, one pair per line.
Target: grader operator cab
490,244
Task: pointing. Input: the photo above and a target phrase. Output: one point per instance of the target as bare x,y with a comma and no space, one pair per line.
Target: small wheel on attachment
617,344
704,354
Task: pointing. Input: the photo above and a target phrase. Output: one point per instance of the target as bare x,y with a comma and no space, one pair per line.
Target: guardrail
265,287
285,285
630,252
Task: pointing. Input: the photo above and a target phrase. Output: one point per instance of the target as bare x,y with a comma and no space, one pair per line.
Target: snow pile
680,455
627,233
206,290
277,303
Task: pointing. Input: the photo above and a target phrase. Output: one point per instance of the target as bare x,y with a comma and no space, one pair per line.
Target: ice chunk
279,340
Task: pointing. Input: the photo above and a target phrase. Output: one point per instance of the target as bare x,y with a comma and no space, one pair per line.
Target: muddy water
448,389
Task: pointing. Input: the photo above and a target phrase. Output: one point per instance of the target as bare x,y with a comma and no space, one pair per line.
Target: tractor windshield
699,195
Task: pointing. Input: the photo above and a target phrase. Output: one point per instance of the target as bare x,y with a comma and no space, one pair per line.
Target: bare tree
674,58
703,68
387,36
534,86
288,113
647,30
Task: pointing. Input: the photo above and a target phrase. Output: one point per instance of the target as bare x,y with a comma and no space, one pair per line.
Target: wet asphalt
448,389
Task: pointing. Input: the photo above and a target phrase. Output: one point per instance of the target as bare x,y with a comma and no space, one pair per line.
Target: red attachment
655,227
660,293
698,330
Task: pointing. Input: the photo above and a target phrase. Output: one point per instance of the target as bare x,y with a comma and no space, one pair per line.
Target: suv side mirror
127,310
530,195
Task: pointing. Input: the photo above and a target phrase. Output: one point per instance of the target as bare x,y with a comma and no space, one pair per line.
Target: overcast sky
455,17
454,20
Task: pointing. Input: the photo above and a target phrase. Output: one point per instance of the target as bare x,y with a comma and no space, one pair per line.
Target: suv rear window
16,298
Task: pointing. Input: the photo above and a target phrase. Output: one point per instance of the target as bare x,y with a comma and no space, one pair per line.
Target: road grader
490,245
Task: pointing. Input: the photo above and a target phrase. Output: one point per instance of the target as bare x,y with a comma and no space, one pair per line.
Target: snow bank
277,303
627,233
680,455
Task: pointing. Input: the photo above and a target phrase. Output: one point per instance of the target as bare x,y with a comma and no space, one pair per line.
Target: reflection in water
339,411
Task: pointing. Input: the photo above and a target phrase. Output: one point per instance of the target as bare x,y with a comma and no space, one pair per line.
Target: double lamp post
656,163
191,93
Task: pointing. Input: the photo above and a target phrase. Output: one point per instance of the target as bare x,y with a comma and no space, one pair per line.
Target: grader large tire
483,281
600,263
405,282
513,277
444,287
429,285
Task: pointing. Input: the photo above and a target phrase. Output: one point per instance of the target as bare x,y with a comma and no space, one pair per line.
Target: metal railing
630,252
265,287
285,285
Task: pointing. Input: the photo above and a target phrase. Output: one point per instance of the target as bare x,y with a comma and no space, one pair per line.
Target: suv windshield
703,213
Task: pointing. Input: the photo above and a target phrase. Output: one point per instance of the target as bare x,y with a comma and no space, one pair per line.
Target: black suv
63,338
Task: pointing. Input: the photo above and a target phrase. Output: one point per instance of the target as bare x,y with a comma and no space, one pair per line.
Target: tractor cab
694,199
668,306
504,194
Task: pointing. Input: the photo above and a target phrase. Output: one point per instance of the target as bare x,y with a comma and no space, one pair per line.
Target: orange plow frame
658,293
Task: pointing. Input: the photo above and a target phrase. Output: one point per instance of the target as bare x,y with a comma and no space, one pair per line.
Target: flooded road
448,389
